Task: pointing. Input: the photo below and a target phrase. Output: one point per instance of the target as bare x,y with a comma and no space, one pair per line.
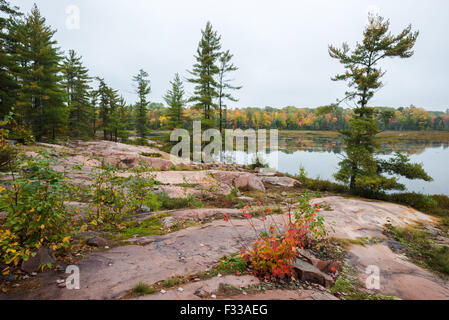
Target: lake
319,155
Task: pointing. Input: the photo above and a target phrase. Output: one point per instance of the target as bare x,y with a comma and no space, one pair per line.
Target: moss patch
149,227
422,249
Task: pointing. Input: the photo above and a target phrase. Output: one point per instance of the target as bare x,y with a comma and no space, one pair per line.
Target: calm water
320,156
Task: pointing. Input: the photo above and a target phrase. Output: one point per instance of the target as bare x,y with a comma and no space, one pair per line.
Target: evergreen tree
113,124
103,109
93,96
143,89
175,101
41,97
8,58
124,117
76,82
224,85
204,72
361,169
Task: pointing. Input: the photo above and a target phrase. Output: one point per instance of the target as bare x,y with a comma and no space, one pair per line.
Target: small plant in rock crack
272,254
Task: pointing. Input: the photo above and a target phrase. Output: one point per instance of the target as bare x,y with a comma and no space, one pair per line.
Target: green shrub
324,186
37,216
171,203
415,200
231,264
140,192
7,151
431,204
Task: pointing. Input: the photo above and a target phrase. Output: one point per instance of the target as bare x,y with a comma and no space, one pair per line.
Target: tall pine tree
143,89
103,96
8,58
124,119
76,82
204,72
41,97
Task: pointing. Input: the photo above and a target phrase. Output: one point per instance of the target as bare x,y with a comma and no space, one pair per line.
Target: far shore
384,135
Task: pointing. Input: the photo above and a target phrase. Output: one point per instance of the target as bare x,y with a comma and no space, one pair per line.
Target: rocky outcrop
177,192
322,265
44,256
96,242
310,273
243,181
286,182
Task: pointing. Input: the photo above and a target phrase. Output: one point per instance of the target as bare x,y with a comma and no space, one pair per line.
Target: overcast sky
279,46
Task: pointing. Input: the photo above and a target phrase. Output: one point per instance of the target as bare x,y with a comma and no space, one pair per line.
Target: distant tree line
293,118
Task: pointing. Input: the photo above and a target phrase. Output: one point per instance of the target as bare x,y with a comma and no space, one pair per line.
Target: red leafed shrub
274,251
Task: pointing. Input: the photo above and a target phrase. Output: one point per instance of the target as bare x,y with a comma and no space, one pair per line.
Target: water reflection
290,145
320,155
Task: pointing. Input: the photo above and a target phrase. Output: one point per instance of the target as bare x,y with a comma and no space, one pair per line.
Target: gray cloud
280,46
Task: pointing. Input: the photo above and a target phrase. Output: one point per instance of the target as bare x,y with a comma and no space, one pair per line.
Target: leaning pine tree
361,169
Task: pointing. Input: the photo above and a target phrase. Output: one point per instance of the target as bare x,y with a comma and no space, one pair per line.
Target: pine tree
41,96
76,82
361,169
103,96
113,125
93,98
204,72
8,58
124,116
224,85
143,89
175,101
